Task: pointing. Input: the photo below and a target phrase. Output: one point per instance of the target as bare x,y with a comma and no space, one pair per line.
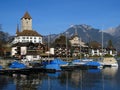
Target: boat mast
102,43
66,47
80,46
102,60
48,46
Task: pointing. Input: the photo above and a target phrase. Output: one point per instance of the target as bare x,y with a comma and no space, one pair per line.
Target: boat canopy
16,64
53,66
93,63
58,61
76,60
1,67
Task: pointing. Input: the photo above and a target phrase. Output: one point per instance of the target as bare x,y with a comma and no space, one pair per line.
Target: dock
26,71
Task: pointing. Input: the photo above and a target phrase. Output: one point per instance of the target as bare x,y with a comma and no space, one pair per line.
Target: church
27,42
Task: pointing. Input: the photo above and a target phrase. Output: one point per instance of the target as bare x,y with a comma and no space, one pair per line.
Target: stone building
27,43
78,46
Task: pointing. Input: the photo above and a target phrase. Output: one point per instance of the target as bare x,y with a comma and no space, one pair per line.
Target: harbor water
92,79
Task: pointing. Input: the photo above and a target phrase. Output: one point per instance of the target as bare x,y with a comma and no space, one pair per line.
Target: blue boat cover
93,63
53,66
58,61
1,67
16,64
44,63
76,60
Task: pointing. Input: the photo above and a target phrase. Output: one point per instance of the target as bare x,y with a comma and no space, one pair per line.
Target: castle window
23,37
34,56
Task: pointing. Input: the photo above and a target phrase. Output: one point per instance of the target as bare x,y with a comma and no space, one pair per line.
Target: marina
92,79
57,65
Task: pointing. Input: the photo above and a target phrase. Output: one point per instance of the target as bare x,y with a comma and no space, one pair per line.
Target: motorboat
17,64
55,64
68,67
109,62
94,65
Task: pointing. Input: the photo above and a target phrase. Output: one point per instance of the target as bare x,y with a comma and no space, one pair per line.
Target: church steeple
17,29
26,22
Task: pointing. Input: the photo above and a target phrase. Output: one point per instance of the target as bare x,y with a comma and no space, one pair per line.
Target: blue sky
55,16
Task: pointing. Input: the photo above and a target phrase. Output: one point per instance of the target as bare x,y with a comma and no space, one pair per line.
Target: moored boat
1,67
55,64
81,61
17,65
93,65
109,62
68,67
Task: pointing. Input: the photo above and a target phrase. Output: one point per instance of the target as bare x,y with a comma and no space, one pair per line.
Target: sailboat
108,61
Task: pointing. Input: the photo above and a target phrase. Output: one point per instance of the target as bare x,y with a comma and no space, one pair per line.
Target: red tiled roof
26,16
28,33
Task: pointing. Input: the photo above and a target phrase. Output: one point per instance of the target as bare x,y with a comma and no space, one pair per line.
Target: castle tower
26,22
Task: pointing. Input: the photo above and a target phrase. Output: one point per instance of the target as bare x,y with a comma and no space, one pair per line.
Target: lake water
104,79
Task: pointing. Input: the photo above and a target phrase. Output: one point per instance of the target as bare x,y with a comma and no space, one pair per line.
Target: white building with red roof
26,38
27,34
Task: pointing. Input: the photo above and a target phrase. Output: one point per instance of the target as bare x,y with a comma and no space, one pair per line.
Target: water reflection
93,79
110,71
3,82
109,78
94,70
27,82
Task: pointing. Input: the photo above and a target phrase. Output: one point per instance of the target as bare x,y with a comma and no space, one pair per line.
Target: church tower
26,22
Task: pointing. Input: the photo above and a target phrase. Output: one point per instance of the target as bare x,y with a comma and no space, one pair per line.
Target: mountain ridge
88,33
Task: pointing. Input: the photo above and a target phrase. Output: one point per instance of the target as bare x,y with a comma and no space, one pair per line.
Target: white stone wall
13,51
32,57
52,51
23,39
15,40
95,52
26,24
77,41
23,50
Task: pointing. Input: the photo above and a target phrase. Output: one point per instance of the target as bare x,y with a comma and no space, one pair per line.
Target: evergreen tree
110,44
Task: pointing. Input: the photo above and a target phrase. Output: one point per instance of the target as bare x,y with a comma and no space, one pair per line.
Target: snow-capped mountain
87,33
114,31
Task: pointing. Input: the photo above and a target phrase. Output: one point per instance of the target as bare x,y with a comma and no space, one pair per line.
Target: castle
27,43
